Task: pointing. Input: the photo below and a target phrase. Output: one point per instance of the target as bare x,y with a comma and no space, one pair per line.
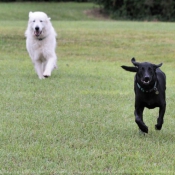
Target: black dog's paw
141,132
144,129
158,127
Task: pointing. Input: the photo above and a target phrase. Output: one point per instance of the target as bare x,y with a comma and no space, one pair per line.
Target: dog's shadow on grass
154,136
162,136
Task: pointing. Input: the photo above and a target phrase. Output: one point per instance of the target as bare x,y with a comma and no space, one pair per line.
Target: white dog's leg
50,65
38,68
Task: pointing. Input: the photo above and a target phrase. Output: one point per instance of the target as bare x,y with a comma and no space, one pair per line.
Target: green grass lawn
57,11
81,119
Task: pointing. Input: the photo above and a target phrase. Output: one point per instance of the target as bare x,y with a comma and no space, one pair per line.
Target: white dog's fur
41,43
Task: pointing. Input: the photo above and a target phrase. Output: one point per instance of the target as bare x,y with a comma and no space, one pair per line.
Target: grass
57,11
80,120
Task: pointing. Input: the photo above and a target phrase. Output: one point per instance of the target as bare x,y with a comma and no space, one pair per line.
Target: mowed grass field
81,119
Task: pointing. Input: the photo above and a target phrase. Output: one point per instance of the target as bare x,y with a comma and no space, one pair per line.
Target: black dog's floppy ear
133,60
130,69
157,66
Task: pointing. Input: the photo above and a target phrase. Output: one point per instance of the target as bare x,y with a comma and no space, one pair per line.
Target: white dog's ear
30,13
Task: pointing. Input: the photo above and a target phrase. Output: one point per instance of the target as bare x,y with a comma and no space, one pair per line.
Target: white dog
41,43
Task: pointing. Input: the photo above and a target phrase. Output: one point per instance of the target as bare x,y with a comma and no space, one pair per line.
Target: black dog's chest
151,105
150,100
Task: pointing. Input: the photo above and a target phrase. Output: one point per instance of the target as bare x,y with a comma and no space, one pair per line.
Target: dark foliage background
163,10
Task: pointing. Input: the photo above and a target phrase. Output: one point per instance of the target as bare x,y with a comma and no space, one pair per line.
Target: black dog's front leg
160,118
139,119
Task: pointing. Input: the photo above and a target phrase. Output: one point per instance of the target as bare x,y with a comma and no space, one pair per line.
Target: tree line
161,10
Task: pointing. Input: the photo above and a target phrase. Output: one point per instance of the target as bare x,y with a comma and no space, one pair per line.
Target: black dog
149,87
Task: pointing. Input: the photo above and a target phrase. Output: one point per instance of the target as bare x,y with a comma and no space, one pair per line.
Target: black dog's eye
143,69
150,70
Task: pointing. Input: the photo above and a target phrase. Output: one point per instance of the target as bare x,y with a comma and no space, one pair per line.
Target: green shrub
140,9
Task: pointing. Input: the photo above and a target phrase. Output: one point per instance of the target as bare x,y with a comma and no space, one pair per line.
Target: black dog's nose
37,28
146,79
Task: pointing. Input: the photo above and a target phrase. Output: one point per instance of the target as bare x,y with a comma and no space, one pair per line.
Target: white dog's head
38,22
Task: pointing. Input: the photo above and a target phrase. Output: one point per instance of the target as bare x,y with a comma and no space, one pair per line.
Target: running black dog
149,87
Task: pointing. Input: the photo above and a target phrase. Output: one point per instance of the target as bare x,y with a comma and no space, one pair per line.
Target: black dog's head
146,71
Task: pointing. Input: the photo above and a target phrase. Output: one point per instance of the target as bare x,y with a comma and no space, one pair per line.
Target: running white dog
41,43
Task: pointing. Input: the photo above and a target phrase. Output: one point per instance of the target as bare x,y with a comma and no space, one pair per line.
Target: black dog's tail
130,69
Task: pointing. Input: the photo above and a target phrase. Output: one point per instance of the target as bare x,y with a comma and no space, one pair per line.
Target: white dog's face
38,22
